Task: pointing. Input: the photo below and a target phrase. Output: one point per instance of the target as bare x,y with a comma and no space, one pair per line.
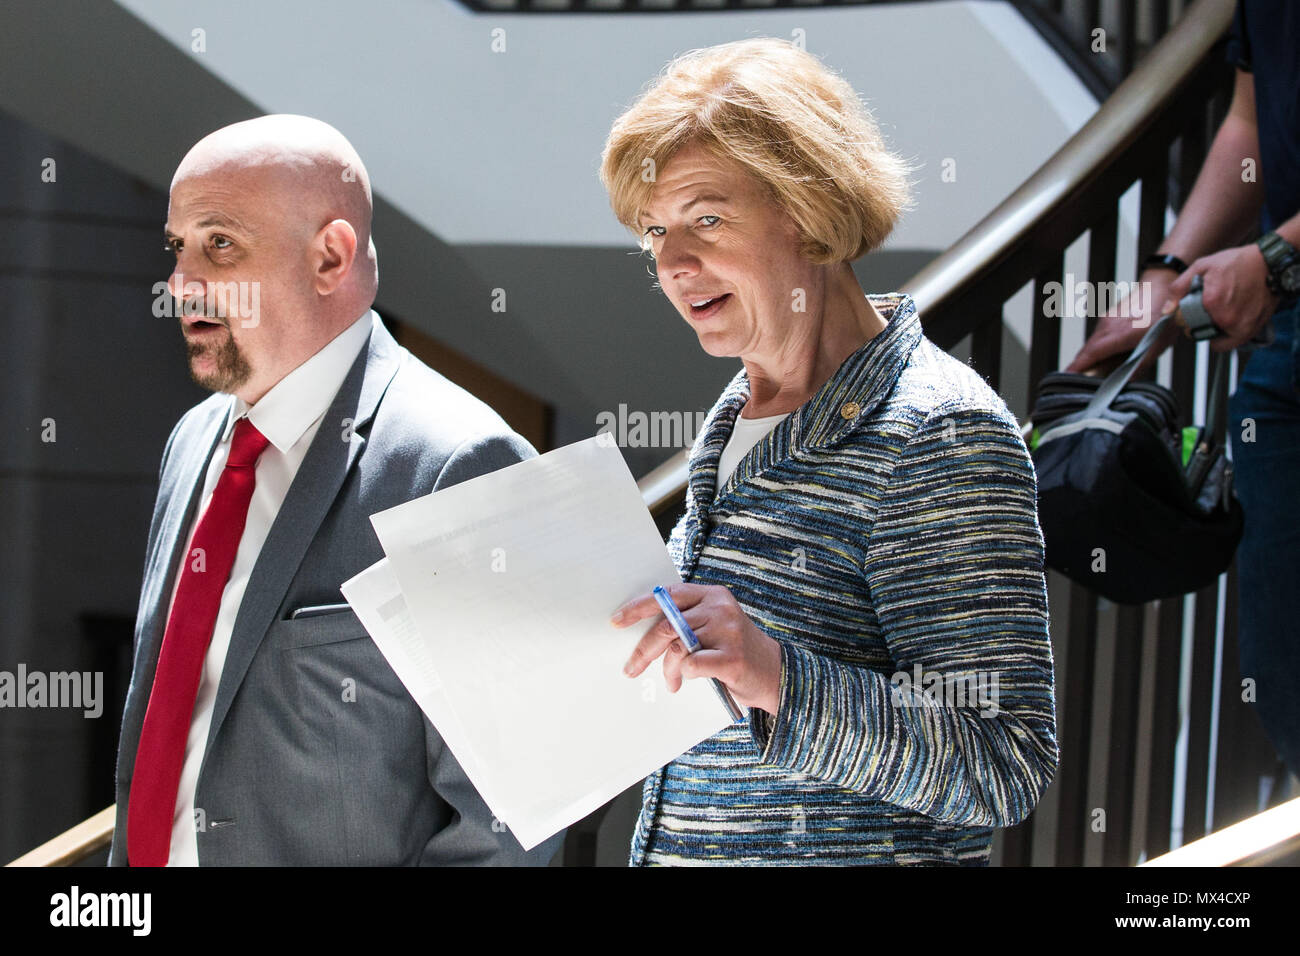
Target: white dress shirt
289,415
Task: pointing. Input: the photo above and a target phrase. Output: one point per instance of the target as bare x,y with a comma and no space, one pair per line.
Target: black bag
1132,504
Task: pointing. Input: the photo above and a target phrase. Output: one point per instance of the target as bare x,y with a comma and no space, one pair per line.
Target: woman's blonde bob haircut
788,120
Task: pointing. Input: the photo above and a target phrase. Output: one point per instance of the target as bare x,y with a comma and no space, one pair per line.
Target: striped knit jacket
886,535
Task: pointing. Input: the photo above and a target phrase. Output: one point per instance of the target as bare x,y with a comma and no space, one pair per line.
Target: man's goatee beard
232,368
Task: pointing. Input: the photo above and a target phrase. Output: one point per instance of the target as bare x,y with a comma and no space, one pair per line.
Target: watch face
1289,279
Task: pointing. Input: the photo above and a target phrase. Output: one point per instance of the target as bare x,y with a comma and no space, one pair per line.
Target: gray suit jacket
293,774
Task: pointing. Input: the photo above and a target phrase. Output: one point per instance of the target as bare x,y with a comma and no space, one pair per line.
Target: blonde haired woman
861,551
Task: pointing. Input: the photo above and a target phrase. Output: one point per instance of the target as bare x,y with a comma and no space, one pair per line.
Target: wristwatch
1283,262
1162,260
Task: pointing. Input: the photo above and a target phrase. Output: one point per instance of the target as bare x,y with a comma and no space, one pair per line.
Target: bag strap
1115,382
1207,449
1215,408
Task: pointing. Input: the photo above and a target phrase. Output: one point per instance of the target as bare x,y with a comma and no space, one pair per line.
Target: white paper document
493,608
377,599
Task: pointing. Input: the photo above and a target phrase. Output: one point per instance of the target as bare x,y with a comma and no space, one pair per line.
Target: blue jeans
1268,561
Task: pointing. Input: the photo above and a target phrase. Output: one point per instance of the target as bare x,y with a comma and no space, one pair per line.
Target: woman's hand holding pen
733,648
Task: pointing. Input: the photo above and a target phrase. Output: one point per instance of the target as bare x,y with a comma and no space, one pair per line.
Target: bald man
262,725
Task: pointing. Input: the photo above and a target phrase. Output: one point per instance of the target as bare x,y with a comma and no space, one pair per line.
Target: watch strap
1278,255
1162,260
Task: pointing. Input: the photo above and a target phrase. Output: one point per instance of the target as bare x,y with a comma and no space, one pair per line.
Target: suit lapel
179,491
181,512
310,497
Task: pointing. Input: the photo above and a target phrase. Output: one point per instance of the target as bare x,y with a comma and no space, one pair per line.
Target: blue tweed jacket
886,534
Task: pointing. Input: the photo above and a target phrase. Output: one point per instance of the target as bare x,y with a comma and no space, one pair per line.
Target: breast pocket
335,692
317,629
326,661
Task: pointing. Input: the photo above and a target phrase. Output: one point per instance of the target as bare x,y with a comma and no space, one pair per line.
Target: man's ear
332,253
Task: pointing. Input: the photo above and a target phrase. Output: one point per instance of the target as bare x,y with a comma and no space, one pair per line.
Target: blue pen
692,645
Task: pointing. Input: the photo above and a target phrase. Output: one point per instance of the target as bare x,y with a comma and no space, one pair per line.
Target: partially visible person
1251,176
262,724
861,514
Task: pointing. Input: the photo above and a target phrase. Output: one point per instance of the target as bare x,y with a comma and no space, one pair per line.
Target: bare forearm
1222,205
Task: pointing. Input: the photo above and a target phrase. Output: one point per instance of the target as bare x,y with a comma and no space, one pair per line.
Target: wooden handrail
1135,106
1253,840
665,484
73,846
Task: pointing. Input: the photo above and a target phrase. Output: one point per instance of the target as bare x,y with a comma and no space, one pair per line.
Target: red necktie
161,753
